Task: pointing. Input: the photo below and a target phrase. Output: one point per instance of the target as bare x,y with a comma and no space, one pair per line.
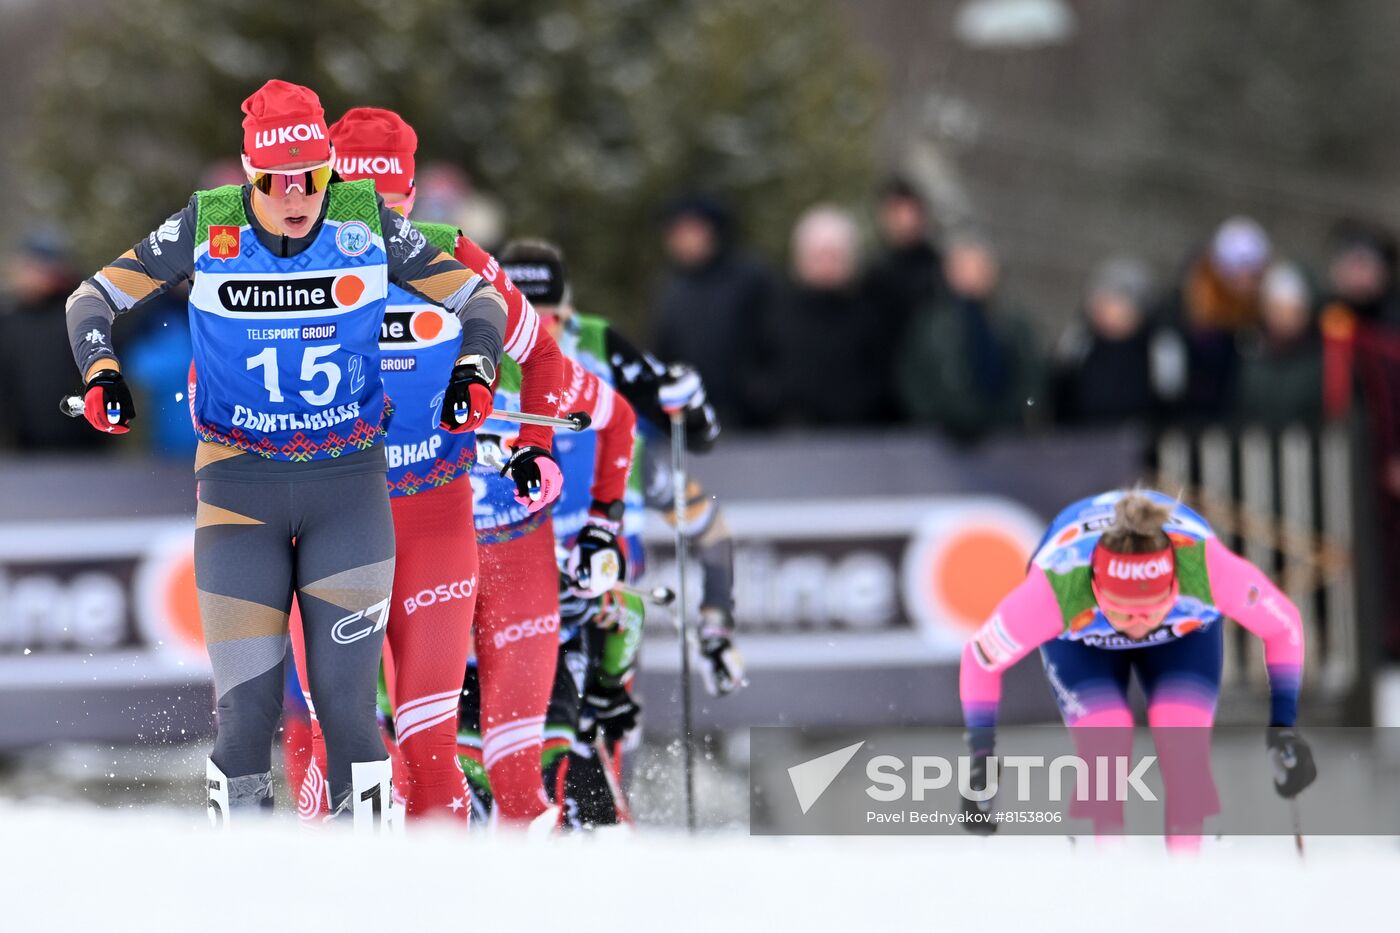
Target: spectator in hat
907,273
1364,302
1217,299
35,366
1114,364
969,364
713,301
1280,377
1361,273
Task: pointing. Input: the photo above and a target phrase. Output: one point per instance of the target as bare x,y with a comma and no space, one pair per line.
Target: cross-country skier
599,661
518,630
437,583
655,390
290,274
1136,582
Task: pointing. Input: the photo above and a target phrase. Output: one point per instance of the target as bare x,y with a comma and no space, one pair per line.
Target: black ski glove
107,404
538,480
1292,758
978,813
596,562
612,708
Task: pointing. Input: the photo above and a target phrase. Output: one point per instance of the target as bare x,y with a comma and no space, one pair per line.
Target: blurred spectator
446,195
156,356
443,190
1361,359
222,172
908,272
827,345
969,365
712,305
1280,378
1218,298
36,365
1114,364
1361,272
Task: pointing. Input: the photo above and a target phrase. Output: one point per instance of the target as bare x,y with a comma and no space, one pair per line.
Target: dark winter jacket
1098,381
825,344
710,317
35,370
1280,383
969,368
900,281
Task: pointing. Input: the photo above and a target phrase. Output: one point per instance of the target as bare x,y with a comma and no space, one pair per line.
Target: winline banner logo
1048,780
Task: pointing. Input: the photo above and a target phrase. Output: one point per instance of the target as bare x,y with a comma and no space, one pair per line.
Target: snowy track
90,869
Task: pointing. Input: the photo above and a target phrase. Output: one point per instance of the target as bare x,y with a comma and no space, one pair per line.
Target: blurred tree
584,116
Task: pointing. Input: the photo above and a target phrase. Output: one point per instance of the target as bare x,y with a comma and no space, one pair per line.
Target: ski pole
612,774
678,482
573,421
1297,826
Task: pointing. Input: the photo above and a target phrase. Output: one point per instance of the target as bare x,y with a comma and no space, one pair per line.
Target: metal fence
1285,501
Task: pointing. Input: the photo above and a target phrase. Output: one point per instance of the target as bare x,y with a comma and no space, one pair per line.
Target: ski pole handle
658,595
71,405
573,421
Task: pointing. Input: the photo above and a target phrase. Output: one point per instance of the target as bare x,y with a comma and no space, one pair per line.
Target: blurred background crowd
966,217
916,330
912,330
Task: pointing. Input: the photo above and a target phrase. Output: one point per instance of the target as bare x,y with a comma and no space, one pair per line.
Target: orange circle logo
975,570
426,325
348,289
181,600
965,554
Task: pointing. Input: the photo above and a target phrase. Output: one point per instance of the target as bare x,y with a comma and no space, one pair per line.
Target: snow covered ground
73,867
114,839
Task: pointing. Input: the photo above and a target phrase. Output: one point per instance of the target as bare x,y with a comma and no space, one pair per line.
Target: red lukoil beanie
377,144
283,124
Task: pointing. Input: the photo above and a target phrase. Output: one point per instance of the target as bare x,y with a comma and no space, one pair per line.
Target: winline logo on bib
322,293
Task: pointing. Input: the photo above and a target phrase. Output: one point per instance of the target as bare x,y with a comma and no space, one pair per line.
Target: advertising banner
855,587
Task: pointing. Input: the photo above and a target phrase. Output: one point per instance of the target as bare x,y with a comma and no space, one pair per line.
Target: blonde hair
1137,525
